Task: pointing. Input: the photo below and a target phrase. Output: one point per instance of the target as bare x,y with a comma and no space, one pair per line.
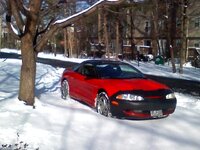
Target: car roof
102,61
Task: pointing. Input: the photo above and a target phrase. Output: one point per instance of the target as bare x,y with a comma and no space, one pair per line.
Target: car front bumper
142,109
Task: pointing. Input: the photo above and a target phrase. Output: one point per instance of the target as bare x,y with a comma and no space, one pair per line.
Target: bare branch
16,13
47,27
38,33
10,28
22,9
33,18
8,20
68,21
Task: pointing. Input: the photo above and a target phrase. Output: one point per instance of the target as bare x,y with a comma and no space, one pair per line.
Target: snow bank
56,124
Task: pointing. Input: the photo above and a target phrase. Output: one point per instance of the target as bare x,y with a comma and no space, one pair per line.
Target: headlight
170,96
130,97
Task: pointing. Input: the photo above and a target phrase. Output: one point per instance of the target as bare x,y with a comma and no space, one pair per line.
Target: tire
65,89
103,105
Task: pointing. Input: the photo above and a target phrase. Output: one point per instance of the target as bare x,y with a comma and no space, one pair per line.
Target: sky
57,124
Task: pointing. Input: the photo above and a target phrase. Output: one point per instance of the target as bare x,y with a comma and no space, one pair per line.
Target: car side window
79,69
87,70
127,68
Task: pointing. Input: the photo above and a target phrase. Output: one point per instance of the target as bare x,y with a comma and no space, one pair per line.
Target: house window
197,22
178,22
178,43
161,24
147,42
196,45
147,26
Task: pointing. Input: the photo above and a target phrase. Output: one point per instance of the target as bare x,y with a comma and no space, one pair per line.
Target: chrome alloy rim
65,89
102,105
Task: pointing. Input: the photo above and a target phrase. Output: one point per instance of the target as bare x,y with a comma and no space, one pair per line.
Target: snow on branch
15,30
69,20
90,9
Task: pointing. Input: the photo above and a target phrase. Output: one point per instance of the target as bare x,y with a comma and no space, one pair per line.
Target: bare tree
24,19
184,6
155,29
171,14
100,25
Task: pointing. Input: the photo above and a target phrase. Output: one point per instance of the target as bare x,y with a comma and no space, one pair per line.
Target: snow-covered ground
56,124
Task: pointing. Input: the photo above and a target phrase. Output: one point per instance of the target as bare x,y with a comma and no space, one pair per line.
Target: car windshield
118,70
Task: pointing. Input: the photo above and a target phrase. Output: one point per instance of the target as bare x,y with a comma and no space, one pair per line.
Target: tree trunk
154,31
99,25
117,38
132,39
65,43
106,34
28,71
171,32
184,39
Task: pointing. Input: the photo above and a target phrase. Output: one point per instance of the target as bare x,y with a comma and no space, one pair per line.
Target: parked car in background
194,56
117,89
196,62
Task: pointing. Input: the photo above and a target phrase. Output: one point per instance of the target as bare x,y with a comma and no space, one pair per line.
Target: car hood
133,84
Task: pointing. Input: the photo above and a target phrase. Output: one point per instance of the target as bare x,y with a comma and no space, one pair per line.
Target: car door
83,82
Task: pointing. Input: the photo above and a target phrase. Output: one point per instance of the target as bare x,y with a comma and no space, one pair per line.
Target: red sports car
116,88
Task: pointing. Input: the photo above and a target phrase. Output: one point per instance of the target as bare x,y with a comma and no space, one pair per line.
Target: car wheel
103,105
65,89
